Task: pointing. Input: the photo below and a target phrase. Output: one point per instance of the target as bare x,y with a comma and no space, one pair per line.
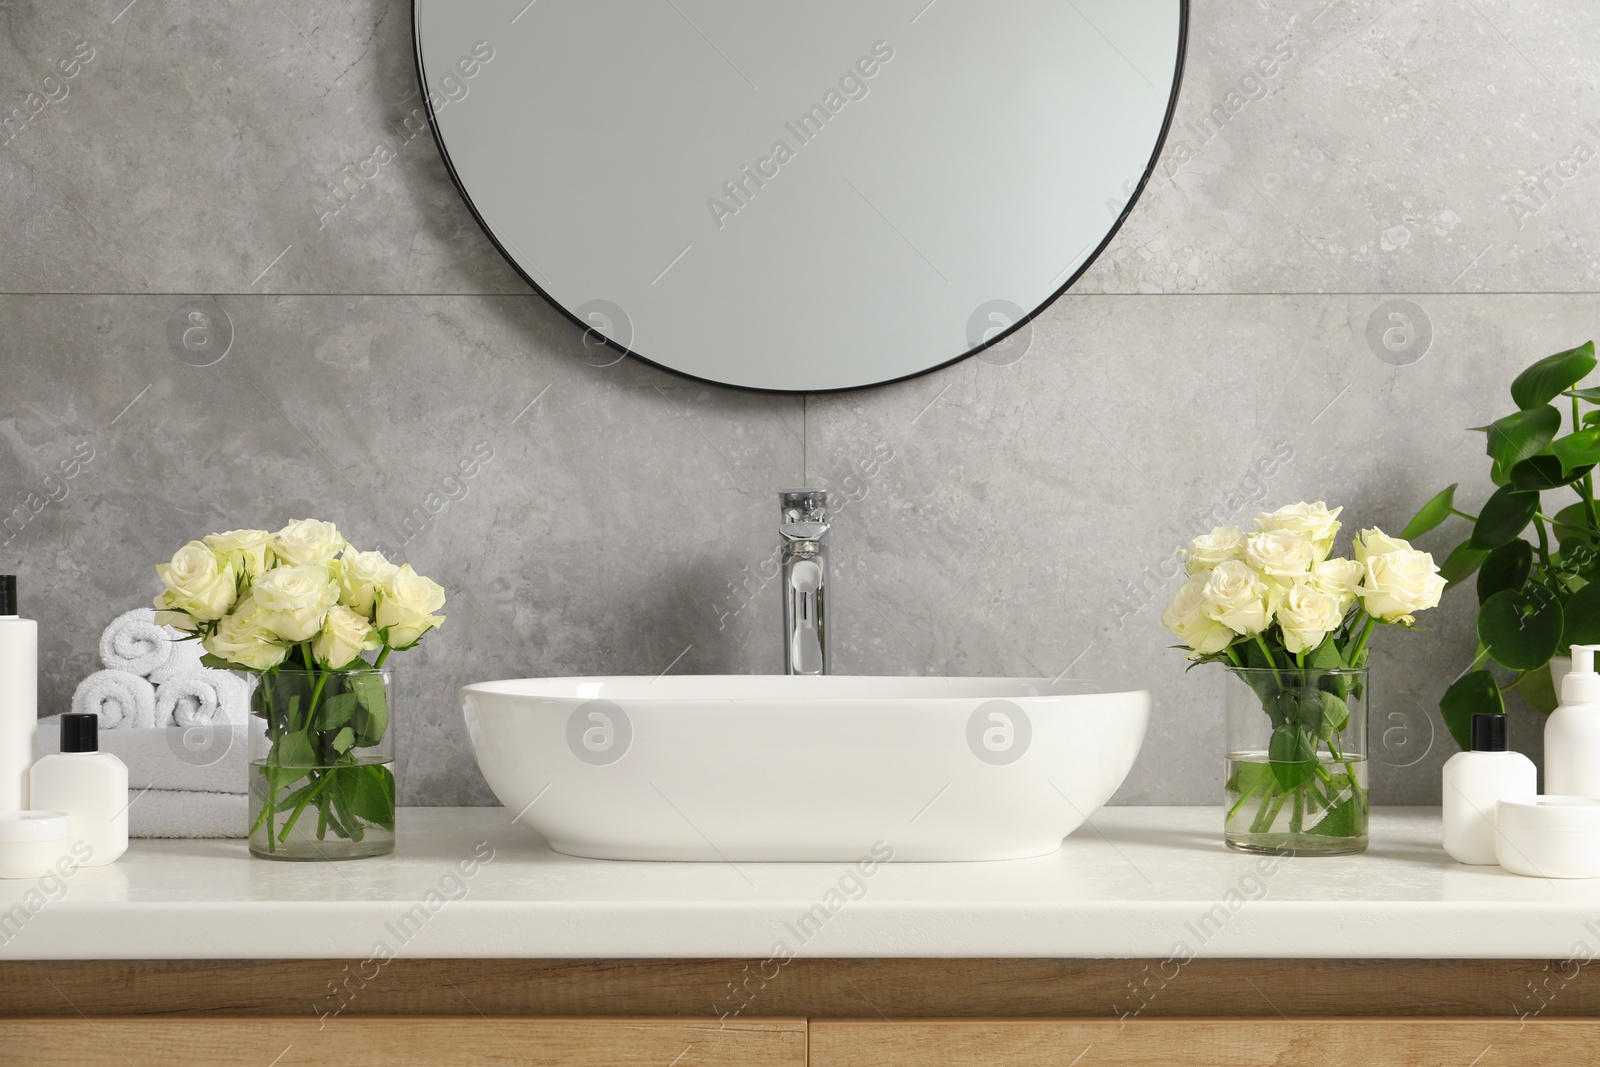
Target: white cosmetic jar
34,843
1549,837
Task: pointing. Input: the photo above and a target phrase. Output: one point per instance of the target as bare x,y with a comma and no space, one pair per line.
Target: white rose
307,541
1188,616
1400,583
1307,615
198,581
406,603
295,600
1283,556
363,574
1314,522
1208,550
248,550
345,635
1375,542
1238,598
241,638
1339,577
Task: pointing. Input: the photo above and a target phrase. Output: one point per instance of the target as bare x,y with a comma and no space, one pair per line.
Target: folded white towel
207,759
134,643
209,698
118,698
182,660
180,813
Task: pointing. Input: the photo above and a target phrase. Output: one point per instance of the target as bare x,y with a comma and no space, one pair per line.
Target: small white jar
1549,837
35,843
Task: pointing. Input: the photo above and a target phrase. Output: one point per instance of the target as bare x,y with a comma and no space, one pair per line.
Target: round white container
33,843
1549,837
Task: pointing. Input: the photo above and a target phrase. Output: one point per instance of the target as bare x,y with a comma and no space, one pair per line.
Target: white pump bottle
1572,733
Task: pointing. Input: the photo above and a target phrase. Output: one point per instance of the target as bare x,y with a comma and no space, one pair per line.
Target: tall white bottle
1474,784
1572,733
89,785
19,698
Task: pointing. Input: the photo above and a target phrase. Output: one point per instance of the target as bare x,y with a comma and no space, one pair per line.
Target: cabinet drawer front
399,1040
1206,1043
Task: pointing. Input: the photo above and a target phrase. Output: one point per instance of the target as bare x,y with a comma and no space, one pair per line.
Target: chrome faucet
803,536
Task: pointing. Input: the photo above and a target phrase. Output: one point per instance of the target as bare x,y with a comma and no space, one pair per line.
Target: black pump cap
1488,732
80,732
8,594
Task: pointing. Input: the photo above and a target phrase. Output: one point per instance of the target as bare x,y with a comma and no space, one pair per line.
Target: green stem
1463,514
385,655
1354,659
1255,787
1297,819
1509,686
1271,663
1544,542
305,800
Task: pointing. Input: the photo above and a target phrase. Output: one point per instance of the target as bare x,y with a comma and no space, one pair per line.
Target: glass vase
1296,772
322,773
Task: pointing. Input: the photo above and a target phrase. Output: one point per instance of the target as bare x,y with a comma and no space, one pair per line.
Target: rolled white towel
184,659
134,643
118,698
209,698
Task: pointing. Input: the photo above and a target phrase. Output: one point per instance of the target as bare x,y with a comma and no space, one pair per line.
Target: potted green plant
1537,565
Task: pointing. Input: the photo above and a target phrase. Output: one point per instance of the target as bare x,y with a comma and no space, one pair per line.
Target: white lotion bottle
90,785
1474,784
1572,733
19,698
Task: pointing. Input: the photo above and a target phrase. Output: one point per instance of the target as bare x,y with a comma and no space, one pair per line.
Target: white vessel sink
772,767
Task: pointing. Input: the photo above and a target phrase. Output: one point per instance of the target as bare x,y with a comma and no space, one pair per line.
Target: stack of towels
180,727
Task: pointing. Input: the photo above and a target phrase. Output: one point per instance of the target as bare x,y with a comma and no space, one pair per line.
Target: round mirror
800,197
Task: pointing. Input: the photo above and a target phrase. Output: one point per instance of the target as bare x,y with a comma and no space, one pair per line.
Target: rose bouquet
1291,624
301,609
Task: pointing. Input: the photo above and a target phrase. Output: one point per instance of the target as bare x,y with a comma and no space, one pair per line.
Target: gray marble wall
1225,354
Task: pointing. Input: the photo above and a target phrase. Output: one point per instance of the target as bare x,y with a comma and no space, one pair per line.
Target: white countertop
1135,882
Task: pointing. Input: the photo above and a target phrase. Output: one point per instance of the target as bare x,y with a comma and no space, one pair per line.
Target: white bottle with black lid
19,698
1474,784
89,785
1572,733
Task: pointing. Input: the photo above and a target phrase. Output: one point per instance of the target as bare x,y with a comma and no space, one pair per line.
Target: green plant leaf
1507,567
292,750
1548,378
1505,515
371,796
1462,562
337,709
1581,617
1325,657
1544,472
1335,716
1581,448
1474,693
374,722
1522,434
1538,690
1249,777
1572,523
1342,820
1591,395
1521,628
217,663
343,740
1431,514
1293,752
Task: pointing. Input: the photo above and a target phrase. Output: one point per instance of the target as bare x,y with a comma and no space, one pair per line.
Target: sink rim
783,688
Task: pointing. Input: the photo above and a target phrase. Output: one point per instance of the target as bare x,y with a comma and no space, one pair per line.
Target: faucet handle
803,505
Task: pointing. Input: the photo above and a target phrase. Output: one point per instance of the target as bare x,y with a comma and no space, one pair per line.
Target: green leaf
1431,514
1544,472
292,749
1507,567
1581,617
337,709
1471,694
1293,752
1249,777
1591,395
341,804
343,740
372,795
1546,379
1538,690
217,663
374,722
1522,434
1462,562
1521,628
1325,657
1581,448
1572,523
1335,716
1342,820
1505,515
